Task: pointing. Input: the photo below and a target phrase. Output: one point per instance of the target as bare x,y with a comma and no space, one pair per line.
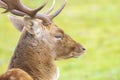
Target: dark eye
58,36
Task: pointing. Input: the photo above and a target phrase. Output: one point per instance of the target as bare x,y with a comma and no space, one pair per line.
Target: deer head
41,39
43,28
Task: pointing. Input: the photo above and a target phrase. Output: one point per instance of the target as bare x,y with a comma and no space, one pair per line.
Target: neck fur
33,57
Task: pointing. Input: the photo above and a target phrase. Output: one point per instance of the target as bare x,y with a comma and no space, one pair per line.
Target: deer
41,42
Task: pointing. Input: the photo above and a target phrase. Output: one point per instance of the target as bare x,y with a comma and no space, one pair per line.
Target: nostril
83,48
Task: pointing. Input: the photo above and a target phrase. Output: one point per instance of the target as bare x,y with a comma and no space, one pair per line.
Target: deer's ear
17,22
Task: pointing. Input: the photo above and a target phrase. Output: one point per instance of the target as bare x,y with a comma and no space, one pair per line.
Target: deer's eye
58,36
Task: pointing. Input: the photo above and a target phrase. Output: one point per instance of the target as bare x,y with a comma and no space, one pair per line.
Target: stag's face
56,41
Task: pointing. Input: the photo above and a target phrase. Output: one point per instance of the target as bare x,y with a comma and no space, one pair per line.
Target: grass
93,23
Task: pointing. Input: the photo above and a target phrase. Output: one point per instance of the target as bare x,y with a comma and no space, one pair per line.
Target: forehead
55,28
52,28
60,31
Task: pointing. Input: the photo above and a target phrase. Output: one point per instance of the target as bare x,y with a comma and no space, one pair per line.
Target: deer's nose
84,49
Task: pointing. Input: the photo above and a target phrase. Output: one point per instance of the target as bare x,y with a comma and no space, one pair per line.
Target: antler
17,8
50,9
3,5
52,16
58,11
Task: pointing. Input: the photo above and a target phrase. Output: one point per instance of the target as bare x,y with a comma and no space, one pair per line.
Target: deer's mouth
78,54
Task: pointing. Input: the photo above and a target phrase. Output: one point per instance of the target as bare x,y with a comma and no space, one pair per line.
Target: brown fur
36,54
15,74
39,46
32,56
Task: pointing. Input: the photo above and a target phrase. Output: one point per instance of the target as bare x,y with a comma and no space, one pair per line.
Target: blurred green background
93,23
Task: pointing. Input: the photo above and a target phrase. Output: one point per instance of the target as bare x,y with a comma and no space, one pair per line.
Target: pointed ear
17,22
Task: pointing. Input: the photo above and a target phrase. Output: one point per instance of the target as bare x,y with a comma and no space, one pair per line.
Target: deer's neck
33,57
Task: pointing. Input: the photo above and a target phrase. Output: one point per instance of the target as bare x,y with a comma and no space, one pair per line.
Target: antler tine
39,8
58,11
51,8
3,5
